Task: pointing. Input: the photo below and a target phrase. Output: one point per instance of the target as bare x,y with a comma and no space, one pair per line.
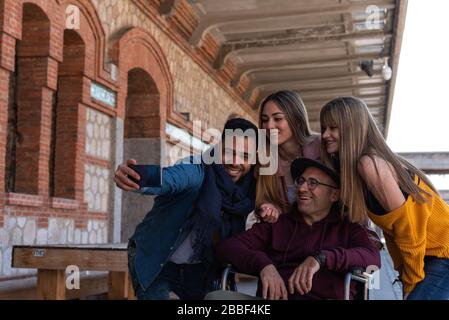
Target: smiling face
238,158
315,204
331,139
274,120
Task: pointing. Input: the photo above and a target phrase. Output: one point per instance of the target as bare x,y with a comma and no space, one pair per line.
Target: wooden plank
131,292
59,258
90,285
51,284
26,289
102,246
120,286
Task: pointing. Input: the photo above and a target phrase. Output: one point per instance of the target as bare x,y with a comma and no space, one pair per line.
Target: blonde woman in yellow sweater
395,195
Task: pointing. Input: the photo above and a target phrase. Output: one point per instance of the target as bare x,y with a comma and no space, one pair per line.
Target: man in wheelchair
308,251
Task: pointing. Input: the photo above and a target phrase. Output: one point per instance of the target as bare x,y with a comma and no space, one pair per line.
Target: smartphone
150,175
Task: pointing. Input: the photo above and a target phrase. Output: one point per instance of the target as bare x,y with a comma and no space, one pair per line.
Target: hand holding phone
150,175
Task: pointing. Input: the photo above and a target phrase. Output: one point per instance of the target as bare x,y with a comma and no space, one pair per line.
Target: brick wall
142,106
65,149
196,91
54,69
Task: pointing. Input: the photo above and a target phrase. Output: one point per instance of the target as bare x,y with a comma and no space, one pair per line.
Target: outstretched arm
175,179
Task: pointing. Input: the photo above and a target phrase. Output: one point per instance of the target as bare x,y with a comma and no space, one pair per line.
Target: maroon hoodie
290,240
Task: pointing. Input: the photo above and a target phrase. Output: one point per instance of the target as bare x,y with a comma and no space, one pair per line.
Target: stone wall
194,89
25,231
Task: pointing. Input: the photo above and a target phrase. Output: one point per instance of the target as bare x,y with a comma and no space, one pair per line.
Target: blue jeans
435,285
187,281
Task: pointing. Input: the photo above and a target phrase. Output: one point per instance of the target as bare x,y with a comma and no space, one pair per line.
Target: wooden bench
51,261
92,285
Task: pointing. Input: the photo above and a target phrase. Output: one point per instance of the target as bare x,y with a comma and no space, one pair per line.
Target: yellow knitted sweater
413,231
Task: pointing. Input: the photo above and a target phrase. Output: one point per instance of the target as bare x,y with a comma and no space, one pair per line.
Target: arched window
27,117
142,106
65,115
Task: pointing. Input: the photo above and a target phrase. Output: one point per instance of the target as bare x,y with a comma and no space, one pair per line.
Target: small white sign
39,253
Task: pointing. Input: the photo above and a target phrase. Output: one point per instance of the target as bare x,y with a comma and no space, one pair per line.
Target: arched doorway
144,99
141,140
142,106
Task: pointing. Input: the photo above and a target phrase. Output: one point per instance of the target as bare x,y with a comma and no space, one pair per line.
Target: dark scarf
219,192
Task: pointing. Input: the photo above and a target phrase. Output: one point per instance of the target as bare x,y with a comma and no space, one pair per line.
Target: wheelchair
364,282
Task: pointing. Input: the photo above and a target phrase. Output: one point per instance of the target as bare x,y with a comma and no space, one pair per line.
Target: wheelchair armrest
357,270
358,274
225,275
228,272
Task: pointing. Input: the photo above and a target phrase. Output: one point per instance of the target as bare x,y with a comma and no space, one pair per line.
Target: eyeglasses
312,183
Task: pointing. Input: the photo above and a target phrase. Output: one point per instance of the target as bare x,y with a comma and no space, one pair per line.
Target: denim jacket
164,227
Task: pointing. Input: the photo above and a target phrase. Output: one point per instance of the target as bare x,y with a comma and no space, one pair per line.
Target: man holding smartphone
197,205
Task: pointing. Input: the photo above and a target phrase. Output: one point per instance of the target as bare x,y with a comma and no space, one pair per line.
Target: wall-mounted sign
103,94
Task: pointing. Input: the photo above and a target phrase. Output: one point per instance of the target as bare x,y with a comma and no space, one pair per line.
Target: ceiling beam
305,72
315,124
322,99
307,86
245,69
322,90
311,77
250,32
350,50
314,113
334,88
227,49
212,20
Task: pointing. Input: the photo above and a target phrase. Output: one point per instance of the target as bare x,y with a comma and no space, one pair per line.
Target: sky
420,111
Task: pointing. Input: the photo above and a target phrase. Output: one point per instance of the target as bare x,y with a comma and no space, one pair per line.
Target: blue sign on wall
103,94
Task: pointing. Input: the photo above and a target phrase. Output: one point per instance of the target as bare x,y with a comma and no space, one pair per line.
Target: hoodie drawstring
289,242
322,236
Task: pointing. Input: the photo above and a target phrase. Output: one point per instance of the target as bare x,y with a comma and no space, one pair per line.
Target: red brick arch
51,10
47,61
93,35
137,49
91,30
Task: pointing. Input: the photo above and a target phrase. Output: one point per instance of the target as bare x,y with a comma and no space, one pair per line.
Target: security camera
367,66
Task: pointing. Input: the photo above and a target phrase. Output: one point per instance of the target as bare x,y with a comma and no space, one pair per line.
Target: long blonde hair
360,136
291,104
